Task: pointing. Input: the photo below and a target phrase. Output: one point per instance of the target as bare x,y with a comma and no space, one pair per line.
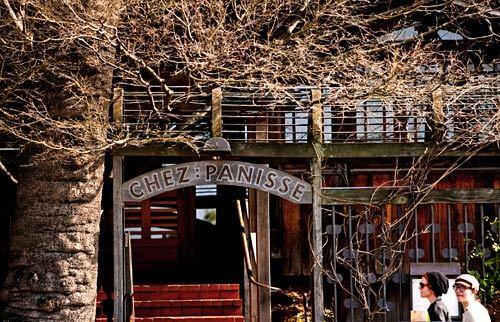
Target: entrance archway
219,172
262,178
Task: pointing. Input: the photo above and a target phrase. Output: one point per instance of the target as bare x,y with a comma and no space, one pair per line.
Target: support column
118,256
252,223
263,255
317,250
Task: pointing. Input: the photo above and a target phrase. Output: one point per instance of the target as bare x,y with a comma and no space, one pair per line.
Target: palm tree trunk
53,258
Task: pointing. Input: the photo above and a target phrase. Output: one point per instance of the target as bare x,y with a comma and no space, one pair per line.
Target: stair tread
186,291
185,302
185,318
185,287
188,302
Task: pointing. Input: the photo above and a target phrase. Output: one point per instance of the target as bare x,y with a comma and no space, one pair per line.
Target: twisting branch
17,21
9,175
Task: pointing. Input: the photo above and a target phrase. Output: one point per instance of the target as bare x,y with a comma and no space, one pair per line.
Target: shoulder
438,311
478,312
440,305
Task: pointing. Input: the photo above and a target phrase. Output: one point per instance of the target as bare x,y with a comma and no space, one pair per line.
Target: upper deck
341,122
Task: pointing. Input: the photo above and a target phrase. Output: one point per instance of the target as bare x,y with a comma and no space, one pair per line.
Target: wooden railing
129,280
253,115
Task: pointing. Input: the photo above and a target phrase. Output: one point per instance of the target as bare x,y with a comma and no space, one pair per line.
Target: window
374,121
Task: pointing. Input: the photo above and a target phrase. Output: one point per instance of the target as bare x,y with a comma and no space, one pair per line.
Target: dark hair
438,282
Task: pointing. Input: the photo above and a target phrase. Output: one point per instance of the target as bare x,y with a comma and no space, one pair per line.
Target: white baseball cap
468,280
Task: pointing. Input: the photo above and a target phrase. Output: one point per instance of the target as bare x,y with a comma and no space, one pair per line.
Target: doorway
188,235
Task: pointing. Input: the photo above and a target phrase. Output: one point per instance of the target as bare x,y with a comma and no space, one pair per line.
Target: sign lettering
233,173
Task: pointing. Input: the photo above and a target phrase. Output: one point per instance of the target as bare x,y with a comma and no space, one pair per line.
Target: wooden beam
217,112
247,262
292,231
317,242
317,230
303,150
438,114
129,280
186,221
450,269
117,105
349,196
246,292
118,251
263,255
252,224
484,195
316,116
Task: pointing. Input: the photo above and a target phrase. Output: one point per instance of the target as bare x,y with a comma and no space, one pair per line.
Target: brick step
186,292
204,302
201,307
236,318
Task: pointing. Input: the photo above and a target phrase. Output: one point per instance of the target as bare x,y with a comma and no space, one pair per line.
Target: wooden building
326,192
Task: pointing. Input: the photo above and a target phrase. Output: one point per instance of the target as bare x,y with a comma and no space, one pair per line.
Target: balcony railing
254,115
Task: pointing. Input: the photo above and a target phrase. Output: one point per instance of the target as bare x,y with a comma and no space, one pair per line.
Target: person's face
425,289
464,293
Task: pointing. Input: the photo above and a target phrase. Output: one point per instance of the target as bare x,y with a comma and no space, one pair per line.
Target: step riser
186,288
188,303
186,295
187,319
187,311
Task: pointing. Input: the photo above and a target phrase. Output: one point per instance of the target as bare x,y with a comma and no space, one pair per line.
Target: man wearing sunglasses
432,286
466,287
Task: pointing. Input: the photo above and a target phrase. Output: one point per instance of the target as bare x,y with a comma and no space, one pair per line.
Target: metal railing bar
351,286
483,269
448,215
270,132
415,214
334,258
433,249
466,238
384,287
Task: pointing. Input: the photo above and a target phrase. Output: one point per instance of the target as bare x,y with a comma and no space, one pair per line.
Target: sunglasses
422,285
461,287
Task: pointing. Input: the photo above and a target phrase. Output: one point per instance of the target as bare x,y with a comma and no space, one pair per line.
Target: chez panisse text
234,173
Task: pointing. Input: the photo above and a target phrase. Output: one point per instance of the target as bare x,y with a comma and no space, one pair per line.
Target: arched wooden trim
220,172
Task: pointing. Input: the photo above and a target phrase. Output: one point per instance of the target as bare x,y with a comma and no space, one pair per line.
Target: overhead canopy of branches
307,42
58,58
54,54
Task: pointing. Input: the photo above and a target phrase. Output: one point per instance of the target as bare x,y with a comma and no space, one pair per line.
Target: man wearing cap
466,287
432,286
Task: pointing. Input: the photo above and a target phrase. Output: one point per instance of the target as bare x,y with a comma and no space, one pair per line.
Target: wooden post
186,211
316,116
247,264
117,105
317,250
252,224
118,264
217,112
246,292
129,280
263,255
438,114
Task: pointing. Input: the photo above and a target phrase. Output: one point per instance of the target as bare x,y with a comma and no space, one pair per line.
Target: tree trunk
53,256
53,259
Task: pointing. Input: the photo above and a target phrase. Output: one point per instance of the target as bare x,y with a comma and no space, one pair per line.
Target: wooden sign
233,173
